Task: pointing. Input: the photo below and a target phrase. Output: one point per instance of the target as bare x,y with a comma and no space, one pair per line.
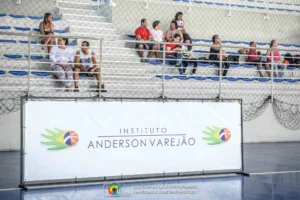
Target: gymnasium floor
274,174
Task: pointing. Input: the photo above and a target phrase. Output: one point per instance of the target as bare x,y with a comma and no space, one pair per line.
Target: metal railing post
100,66
272,75
164,70
29,63
220,71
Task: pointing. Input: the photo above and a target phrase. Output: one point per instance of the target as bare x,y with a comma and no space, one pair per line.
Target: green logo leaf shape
56,138
213,134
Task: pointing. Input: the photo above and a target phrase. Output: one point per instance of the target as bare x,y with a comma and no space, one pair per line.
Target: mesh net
109,27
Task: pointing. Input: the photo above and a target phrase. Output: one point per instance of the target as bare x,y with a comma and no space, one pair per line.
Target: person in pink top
275,53
254,57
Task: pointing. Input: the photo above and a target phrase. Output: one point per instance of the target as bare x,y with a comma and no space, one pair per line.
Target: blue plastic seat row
16,56
25,73
30,17
233,42
232,79
26,42
242,5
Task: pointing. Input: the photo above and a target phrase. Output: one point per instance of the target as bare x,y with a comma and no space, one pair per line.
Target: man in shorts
86,62
144,34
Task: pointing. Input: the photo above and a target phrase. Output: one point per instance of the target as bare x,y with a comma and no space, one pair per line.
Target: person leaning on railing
62,57
47,28
214,55
276,58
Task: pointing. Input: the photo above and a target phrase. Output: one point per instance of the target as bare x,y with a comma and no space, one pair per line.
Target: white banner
96,139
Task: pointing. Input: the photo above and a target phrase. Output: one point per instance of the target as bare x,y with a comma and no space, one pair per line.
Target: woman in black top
214,55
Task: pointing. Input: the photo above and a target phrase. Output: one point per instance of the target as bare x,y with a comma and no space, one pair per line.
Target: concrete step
98,36
80,11
80,23
91,30
89,5
83,18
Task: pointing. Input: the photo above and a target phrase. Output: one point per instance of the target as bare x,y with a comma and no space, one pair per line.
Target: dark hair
272,43
173,22
252,42
143,20
66,41
87,43
46,17
177,15
214,38
190,47
155,23
176,35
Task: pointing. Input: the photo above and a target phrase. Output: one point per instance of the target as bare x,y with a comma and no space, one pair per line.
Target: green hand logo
60,139
216,135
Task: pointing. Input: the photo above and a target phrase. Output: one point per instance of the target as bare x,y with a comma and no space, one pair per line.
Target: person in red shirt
254,57
144,34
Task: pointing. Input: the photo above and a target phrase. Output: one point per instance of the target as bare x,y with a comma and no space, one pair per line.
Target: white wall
10,131
266,128
204,22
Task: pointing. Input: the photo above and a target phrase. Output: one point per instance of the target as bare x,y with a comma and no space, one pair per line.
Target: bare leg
141,51
152,52
76,76
259,67
268,68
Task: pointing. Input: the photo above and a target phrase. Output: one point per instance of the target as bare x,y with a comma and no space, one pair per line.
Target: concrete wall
10,131
203,22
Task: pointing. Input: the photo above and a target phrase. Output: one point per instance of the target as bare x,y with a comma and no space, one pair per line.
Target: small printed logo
60,139
216,135
114,189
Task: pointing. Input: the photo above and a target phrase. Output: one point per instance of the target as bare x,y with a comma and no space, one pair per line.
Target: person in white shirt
86,62
157,36
180,23
62,58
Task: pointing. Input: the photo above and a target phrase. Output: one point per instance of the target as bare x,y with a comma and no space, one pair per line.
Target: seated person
157,36
62,58
47,28
214,55
86,62
274,59
254,59
173,30
175,49
187,52
143,34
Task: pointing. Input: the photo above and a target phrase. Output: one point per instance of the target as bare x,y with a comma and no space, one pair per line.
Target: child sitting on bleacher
47,28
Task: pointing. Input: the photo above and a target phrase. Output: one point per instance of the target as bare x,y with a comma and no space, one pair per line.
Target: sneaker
185,73
76,90
102,89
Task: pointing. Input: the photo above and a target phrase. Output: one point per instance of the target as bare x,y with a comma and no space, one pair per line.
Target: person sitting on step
86,62
47,28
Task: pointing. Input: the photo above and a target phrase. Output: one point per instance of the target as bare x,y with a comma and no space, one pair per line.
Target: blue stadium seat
2,14
17,16
203,64
18,73
2,72
13,56
26,42
198,1
8,41
155,62
36,17
41,73
22,28
5,27
35,57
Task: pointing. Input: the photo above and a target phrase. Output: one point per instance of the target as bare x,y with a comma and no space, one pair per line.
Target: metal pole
272,74
22,153
100,65
220,72
164,72
29,63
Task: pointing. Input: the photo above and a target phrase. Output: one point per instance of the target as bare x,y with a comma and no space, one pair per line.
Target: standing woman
276,58
47,28
180,24
62,57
